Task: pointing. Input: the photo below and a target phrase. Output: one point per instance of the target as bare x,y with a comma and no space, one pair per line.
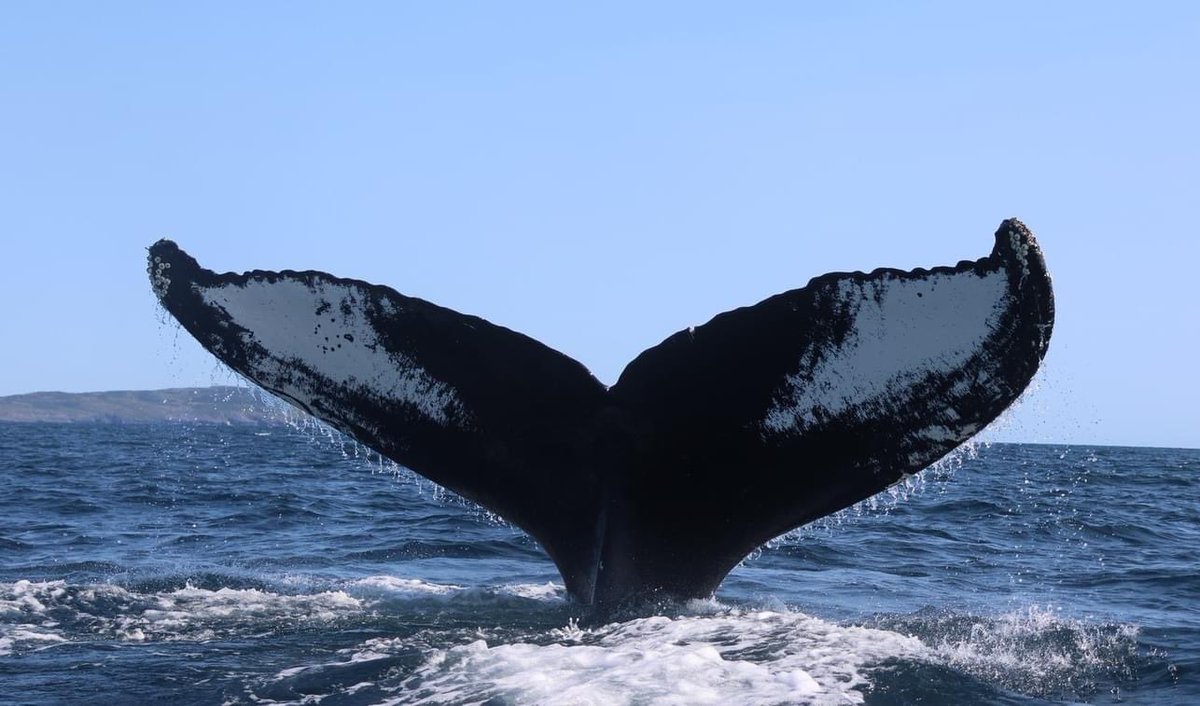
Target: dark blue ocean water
193,564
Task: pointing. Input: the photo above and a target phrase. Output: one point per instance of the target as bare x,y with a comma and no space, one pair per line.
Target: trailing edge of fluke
711,443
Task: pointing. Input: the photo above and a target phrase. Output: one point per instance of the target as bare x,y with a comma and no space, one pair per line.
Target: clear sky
601,177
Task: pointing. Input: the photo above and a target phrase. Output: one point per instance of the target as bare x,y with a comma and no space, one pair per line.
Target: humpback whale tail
716,440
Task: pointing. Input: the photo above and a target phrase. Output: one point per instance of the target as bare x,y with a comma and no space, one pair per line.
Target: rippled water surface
192,564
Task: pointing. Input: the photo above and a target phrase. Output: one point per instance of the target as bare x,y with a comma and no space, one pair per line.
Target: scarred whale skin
711,443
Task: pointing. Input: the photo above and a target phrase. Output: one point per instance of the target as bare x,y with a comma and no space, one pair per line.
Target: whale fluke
711,443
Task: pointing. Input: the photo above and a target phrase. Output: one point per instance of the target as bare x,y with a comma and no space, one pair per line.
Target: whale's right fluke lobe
771,416
711,443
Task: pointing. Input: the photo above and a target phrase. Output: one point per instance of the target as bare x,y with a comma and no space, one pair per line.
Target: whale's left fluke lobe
489,413
716,440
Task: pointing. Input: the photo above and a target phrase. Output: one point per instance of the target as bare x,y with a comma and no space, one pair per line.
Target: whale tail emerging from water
711,443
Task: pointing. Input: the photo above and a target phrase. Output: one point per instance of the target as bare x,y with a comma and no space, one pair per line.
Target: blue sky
601,177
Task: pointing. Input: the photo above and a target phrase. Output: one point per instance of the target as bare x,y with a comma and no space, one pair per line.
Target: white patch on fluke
323,327
902,328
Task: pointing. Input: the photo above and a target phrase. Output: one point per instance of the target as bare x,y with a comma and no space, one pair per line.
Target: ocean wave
106,611
725,654
34,614
1034,651
721,655
544,592
703,652
24,638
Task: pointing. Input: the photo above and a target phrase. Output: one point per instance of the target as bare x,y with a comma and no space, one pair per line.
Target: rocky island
216,405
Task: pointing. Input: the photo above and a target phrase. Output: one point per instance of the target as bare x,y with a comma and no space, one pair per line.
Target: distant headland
215,405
